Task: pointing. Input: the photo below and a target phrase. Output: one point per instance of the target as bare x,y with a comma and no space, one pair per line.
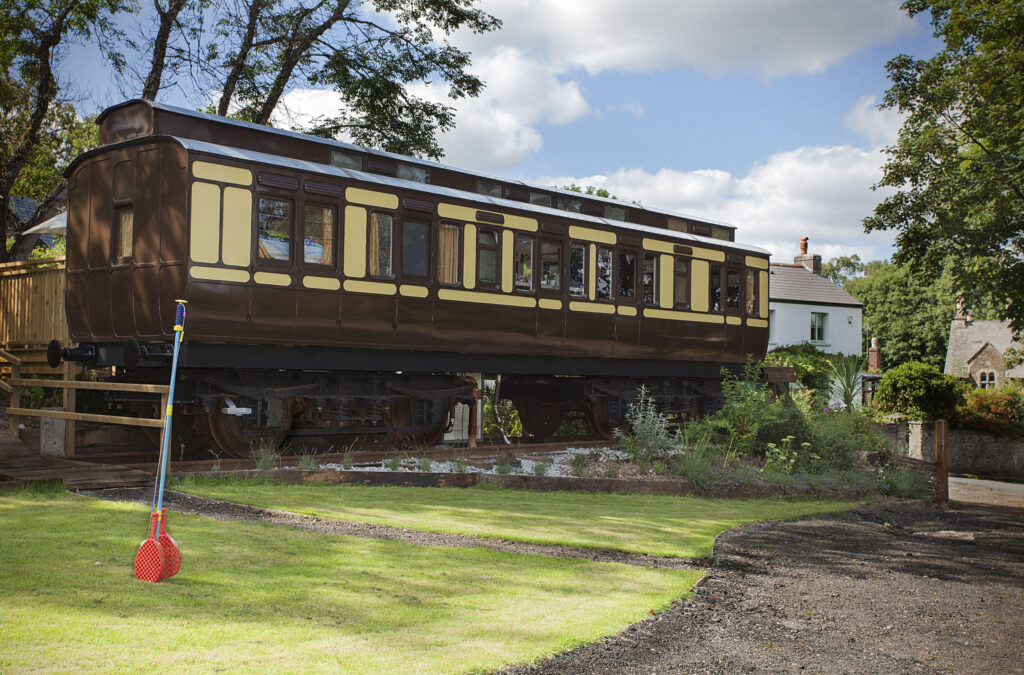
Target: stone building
977,351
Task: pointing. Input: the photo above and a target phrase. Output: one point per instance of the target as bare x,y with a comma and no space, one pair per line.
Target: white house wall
791,325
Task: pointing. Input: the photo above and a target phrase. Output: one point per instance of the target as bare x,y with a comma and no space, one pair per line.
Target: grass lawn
259,598
653,524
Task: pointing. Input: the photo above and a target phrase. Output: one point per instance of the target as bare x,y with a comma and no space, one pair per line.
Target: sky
759,114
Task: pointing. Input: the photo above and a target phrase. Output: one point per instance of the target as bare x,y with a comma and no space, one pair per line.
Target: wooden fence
32,311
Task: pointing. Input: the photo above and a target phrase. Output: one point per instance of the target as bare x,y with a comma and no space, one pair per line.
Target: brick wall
973,452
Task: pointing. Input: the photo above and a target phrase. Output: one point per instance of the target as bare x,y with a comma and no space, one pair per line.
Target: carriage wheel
399,414
540,419
235,436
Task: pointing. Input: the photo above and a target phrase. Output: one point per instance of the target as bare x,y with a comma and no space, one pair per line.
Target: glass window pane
818,322
752,308
380,244
615,212
604,273
524,262
420,174
274,229
346,160
318,240
732,289
715,284
491,188
125,229
448,254
650,280
627,275
577,270
570,204
551,265
681,286
414,248
540,199
488,267
487,238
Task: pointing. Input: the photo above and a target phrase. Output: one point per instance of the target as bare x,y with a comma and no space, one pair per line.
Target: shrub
541,468
812,365
648,434
309,459
920,391
838,436
899,481
845,372
999,411
264,454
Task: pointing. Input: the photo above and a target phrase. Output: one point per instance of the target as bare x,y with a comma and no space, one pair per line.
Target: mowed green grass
258,598
653,524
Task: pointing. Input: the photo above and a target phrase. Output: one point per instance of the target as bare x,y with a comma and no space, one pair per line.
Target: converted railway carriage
336,290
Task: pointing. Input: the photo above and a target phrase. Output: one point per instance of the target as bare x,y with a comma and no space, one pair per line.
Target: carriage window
615,212
125,219
732,289
448,254
414,173
577,269
650,280
274,229
487,256
715,287
524,262
346,160
491,188
540,199
380,244
414,248
627,275
570,204
550,265
681,287
751,295
604,273
318,235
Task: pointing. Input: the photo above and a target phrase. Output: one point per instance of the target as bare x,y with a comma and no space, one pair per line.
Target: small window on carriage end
550,265
274,229
380,244
124,220
318,235
649,280
577,270
523,257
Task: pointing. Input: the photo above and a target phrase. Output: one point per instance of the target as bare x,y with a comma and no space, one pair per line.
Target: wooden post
13,420
941,463
70,405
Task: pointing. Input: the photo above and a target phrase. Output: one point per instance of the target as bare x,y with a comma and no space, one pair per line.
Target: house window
550,265
487,257
649,280
448,254
524,262
627,275
380,244
414,248
274,229
819,322
577,270
318,235
987,380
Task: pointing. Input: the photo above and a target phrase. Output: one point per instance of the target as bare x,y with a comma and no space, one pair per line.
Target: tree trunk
168,18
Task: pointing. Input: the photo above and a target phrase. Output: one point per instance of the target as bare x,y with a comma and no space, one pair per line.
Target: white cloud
769,39
880,127
821,193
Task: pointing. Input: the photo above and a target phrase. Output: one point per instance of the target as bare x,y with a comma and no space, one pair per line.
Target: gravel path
887,588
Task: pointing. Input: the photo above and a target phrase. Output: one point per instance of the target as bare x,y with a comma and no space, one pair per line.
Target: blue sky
760,114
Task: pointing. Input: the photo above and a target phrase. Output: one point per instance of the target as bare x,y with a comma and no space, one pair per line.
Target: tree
589,190
843,268
366,51
958,164
33,35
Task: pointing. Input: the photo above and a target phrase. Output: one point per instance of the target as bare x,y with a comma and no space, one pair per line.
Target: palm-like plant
846,377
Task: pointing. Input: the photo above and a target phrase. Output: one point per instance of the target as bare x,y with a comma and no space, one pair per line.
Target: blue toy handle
158,496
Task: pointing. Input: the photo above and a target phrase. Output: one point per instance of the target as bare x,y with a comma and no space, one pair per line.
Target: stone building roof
795,283
967,338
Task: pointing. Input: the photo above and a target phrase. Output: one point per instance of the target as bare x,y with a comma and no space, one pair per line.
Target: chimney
811,262
874,357
962,313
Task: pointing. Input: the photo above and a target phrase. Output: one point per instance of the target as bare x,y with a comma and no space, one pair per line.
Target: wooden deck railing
32,303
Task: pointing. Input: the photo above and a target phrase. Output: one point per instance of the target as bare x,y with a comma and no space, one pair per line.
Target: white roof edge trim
323,169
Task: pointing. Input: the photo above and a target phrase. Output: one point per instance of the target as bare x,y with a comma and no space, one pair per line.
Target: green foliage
459,464
919,391
900,481
955,171
425,465
394,463
578,465
648,429
309,459
611,469
842,269
64,136
264,454
999,411
541,468
785,457
503,468
500,422
838,436
812,365
346,460
588,190
845,372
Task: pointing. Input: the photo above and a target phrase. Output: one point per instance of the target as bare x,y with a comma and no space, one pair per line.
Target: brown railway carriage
325,300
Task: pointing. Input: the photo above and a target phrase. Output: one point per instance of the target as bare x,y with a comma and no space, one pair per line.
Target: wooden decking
20,465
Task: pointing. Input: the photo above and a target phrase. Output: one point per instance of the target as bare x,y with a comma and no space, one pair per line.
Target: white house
804,306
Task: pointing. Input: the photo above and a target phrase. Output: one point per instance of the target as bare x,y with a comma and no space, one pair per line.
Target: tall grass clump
648,436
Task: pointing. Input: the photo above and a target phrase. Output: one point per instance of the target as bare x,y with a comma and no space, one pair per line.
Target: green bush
648,435
838,436
919,391
999,411
899,481
813,366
